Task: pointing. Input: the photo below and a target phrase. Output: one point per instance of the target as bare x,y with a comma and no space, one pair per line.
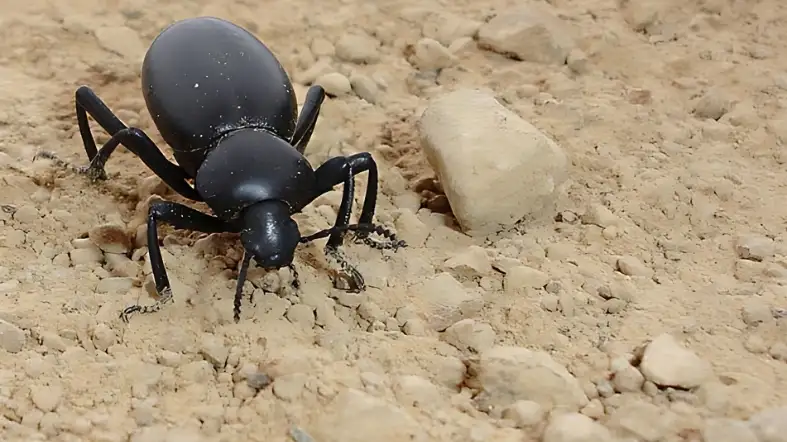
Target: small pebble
754,247
727,430
12,338
650,388
550,303
755,344
322,47
567,304
365,88
335,84
769,425
120,40
778,351
628,379
46,398
594,409
470,335
258,380
82,256
613,306
415,327
170,358
574,427
289,387
610,232
301,314
521,277
103,337
299,435
713,105
357,47
472,262
347,299
214,351
121,265
605,388
26,214
600,216
53,342
756,312
631,266
370,311
110,238
524,413
429,54
577,61
413,390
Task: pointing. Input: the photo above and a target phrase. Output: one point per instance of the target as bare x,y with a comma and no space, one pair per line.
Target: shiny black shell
205,77
252,165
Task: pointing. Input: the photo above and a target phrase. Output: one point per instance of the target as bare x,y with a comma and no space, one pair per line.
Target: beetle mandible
225,105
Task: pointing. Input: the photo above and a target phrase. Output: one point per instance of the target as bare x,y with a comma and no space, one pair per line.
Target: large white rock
496,168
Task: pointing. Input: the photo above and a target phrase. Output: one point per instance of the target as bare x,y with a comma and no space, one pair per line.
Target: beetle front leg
180,217
345,270
335,171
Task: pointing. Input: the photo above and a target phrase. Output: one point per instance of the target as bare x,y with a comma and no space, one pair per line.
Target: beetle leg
135,140
336,238
333,172
138,142
307,120
180,217
345,271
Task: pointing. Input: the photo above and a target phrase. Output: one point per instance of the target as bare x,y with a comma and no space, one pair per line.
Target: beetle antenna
244,268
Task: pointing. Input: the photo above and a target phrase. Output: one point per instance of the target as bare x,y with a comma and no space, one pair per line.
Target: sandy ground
693,213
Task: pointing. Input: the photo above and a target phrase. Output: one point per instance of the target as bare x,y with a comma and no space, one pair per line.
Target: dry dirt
689,197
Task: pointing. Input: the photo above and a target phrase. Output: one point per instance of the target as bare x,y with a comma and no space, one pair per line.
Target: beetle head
269,234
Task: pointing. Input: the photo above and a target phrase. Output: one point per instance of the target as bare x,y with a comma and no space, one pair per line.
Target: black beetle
226,106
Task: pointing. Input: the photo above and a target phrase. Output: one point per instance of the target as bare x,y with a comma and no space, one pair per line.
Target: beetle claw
93,173
349,282
346,272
